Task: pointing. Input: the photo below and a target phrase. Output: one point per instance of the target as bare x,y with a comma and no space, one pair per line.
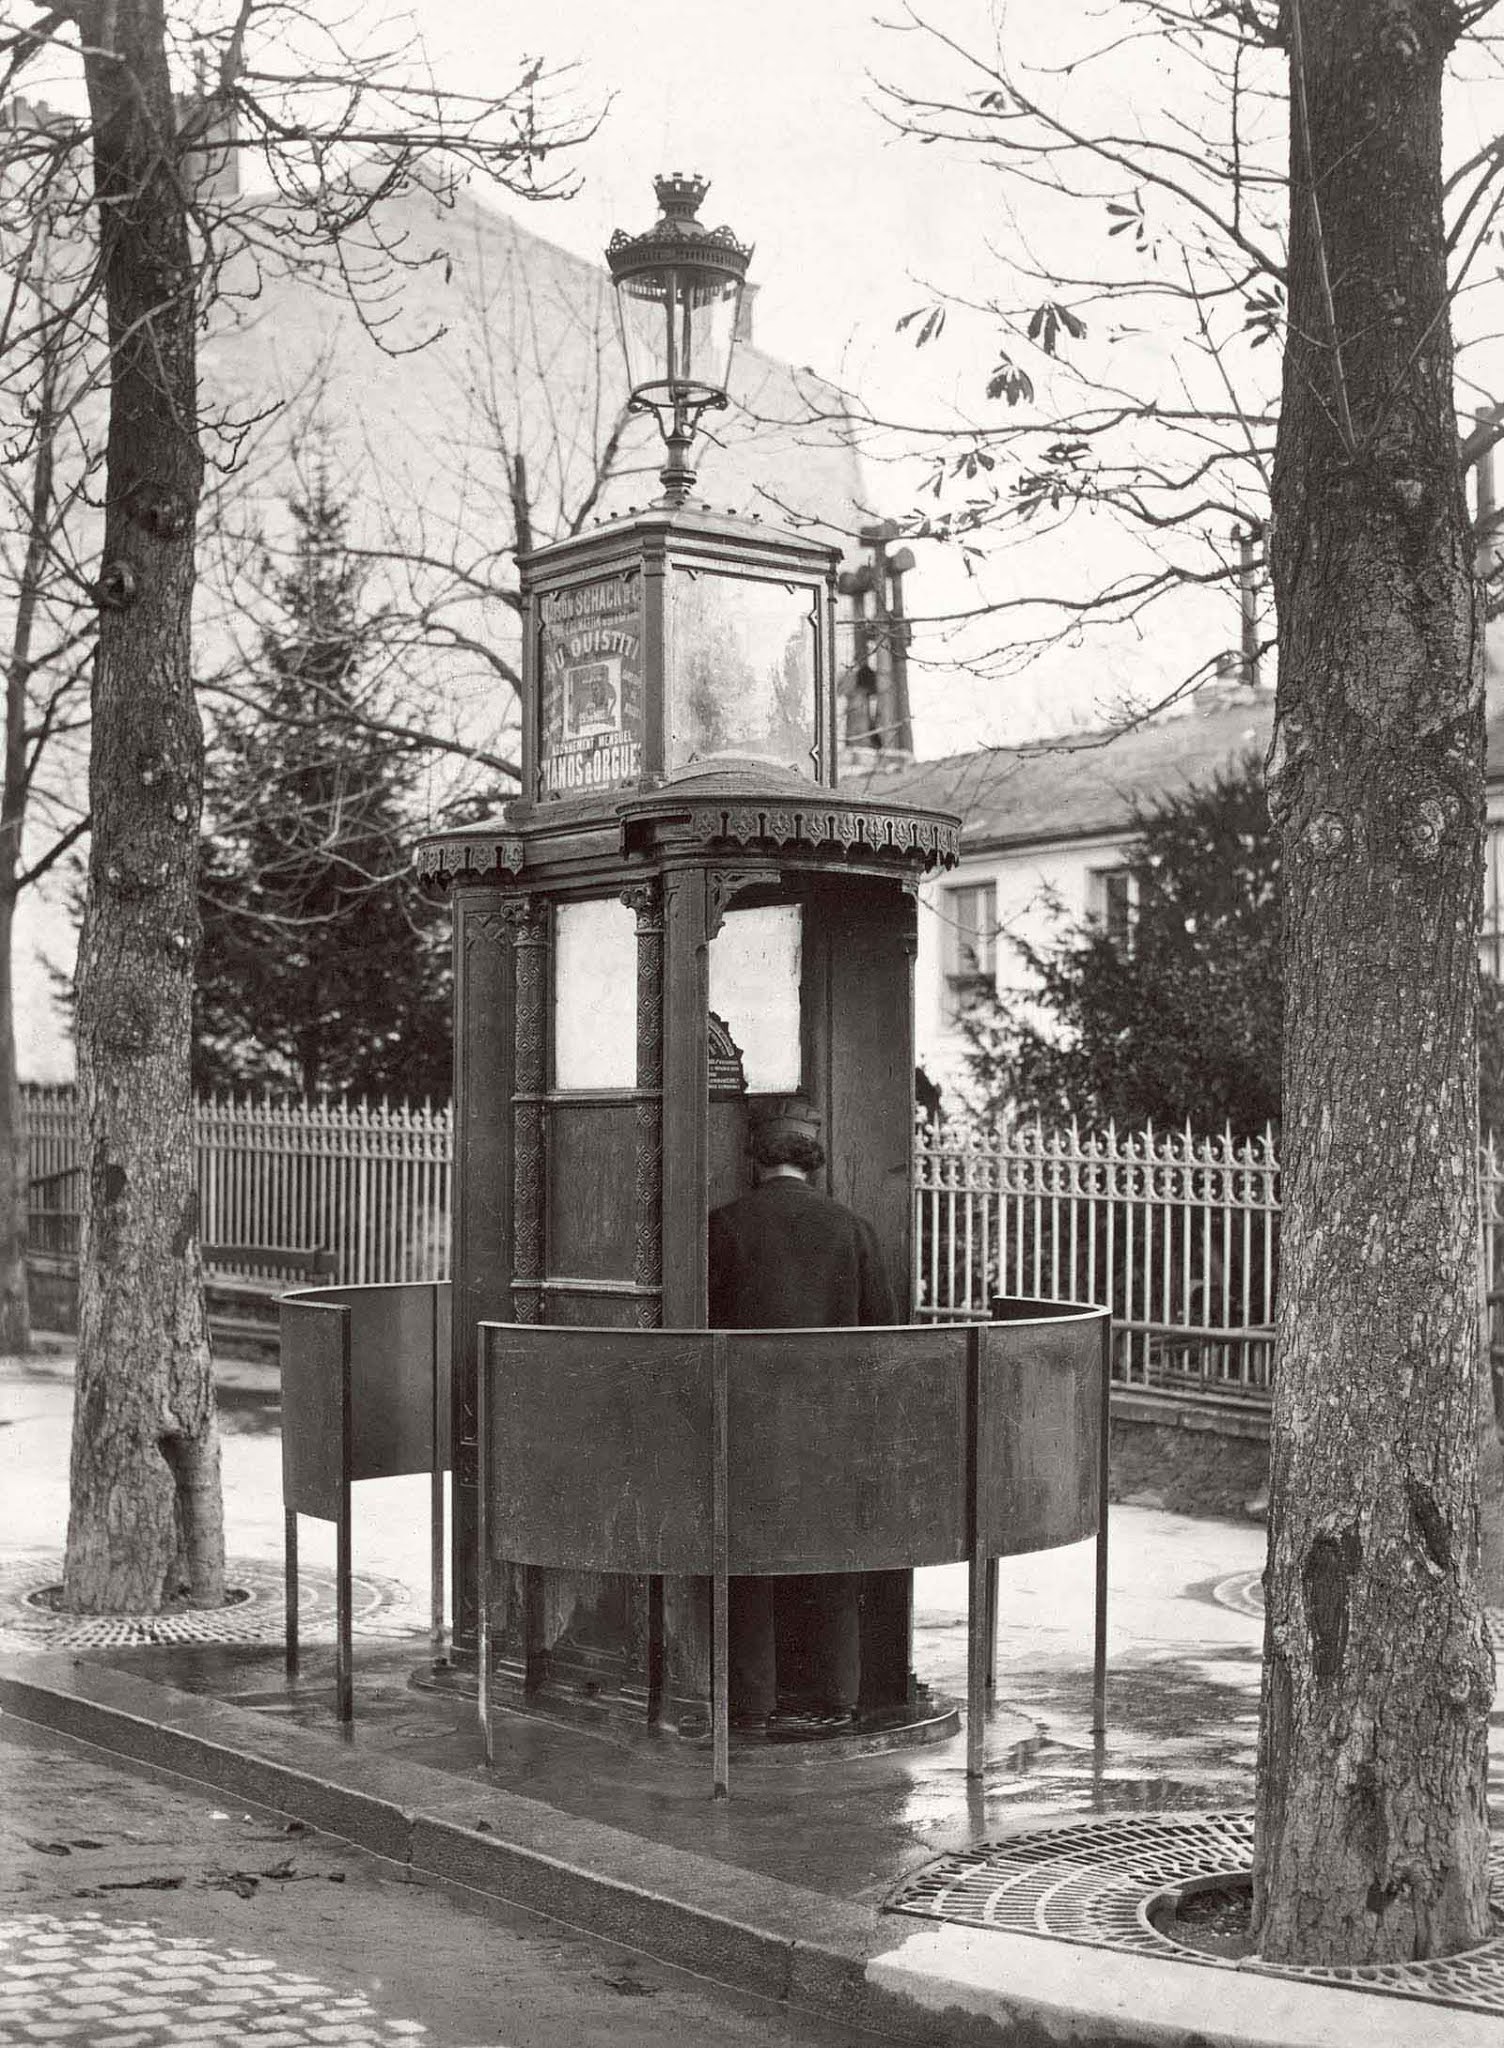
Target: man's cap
780,1116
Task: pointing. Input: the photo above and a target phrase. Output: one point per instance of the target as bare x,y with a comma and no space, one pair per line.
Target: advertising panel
590,732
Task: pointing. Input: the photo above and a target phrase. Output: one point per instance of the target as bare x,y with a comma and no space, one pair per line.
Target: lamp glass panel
754,990
595,994
742,670
677,326
711,329
642,323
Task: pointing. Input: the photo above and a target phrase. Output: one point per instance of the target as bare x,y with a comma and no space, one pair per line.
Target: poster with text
590,732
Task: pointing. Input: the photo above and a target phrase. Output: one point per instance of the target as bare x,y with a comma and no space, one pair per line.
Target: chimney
213,165
890,637
1243,666
20,112
1486,558
1486,527
744,316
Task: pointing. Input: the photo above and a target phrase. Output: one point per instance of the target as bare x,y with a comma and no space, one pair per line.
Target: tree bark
145,1521
1372,1825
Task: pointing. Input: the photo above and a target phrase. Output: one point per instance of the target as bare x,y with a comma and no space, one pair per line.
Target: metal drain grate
1243,1592
254,1614
1094,1881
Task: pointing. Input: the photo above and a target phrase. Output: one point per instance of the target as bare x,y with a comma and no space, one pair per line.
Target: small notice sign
590,732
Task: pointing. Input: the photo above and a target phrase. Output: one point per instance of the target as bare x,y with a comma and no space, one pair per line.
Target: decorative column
529,923
482,1203
646,899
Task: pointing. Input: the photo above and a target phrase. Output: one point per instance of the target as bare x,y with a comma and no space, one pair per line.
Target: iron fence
366,1181
1178,1234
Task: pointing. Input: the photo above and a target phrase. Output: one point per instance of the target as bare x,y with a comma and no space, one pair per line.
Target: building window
1111,902
970,945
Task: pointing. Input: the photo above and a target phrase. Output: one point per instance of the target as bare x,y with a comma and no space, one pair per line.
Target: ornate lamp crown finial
679,196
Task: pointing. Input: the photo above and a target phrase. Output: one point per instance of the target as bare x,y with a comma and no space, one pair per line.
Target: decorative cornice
833,825
469,854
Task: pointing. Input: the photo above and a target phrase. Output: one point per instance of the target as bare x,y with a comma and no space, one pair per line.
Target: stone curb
956,1986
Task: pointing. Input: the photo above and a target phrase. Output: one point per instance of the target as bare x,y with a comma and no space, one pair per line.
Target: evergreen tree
322,966
1182,1023
1181,1026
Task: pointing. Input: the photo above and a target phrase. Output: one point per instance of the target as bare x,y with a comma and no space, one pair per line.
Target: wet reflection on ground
1182,1722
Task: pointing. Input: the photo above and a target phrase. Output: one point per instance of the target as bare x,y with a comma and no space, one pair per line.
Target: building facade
1045,831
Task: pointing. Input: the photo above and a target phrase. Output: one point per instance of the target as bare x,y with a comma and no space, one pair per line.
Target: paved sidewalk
782,1888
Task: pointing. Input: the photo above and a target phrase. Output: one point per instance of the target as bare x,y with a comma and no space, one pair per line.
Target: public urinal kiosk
680,913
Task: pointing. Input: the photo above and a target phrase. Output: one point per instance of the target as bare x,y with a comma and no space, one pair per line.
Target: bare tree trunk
145,1518
1372,1826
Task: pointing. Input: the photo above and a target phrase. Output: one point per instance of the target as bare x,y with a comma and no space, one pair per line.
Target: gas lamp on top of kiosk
678,301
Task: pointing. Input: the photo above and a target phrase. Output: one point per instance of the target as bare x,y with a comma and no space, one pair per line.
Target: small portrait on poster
592,698
590,657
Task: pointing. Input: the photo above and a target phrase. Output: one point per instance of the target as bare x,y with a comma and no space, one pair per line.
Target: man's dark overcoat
786,1257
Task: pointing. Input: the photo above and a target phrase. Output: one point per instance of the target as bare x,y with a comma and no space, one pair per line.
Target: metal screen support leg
436,1631
720,1632
290,1587
483,1546
991,1627
1099,1620
977,1659
344,1660
344,1677
981,1576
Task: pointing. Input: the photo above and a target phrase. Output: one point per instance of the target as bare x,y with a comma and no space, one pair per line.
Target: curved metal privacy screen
717,1453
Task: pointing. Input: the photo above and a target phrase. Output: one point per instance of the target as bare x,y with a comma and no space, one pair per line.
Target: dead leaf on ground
630,1987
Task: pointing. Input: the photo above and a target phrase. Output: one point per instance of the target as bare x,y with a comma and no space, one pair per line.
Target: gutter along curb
926,1983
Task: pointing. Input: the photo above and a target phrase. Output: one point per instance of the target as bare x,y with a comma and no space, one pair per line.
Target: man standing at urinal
787,1256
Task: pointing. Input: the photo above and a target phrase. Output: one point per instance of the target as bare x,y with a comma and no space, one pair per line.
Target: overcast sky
778,103
771,100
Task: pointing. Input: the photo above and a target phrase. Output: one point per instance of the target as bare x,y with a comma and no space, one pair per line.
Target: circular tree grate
253,1613
1243,1592
1095,1881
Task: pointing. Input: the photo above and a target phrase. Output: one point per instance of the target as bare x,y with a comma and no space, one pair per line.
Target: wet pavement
1183,1661
1182,1690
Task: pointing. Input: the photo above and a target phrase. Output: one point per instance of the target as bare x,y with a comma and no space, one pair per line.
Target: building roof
1087,785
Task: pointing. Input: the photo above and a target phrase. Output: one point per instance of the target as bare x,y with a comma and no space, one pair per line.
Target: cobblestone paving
138,1911
87,1983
